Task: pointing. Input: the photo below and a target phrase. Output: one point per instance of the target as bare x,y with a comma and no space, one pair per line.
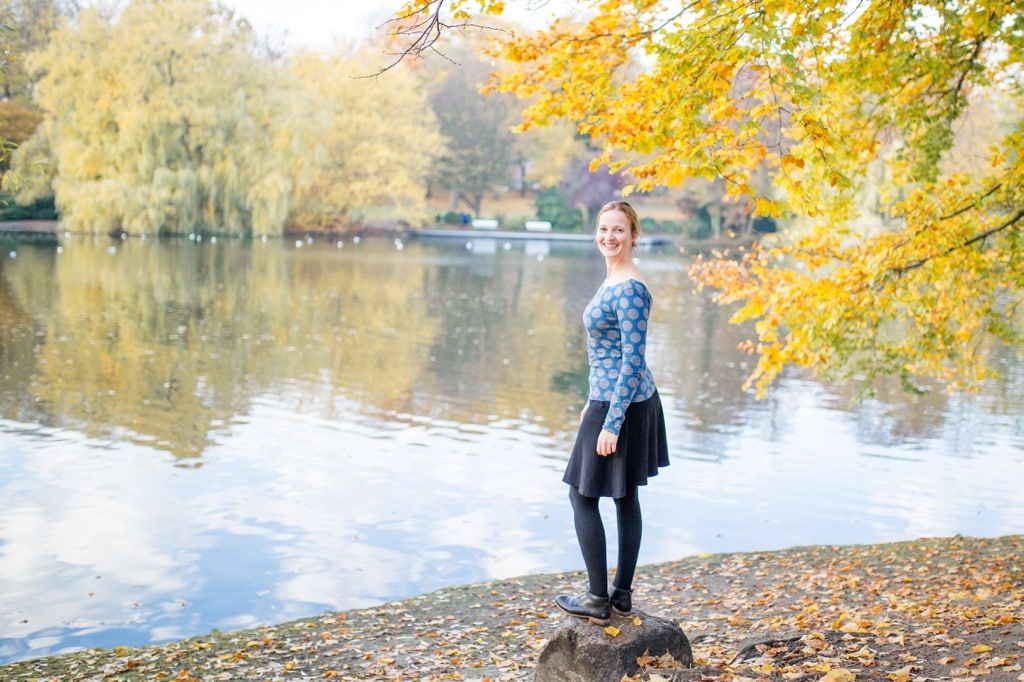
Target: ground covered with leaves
935,609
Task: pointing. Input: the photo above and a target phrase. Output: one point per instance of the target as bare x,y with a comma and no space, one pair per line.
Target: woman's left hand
606,443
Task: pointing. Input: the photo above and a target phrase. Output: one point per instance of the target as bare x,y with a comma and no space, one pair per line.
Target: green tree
688,91
162,119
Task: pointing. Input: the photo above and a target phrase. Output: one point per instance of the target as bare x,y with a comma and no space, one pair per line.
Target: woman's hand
606,443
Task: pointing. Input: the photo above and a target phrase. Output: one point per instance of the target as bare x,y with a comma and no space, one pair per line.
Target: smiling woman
621,440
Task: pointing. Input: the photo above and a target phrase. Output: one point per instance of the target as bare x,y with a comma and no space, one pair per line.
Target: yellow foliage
828,96
368,159
183,129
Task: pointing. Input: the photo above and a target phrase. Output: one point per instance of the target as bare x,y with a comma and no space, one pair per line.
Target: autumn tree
547,151
17,123
476,152
183,127
588,188
25,26
876,88
377,143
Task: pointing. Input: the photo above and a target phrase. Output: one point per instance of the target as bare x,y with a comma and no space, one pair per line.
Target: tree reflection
168,343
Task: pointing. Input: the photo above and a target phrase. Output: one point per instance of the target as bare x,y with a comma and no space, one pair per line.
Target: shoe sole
621,612
591,619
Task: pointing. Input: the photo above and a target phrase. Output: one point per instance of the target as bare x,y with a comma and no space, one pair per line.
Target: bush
649,225
40,209
698,229
554,209
515,224
671,227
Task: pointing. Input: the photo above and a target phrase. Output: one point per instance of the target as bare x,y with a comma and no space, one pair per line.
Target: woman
621,440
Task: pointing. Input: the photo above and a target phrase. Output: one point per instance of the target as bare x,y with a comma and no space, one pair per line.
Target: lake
220,434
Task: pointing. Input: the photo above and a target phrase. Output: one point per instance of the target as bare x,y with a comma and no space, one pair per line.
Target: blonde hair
629,211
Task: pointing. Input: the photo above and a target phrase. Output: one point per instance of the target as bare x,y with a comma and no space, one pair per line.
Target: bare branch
421,29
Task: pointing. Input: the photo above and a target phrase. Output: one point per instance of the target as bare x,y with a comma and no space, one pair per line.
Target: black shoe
594,609
621,600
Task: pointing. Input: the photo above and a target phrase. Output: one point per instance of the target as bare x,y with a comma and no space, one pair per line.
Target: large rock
582,652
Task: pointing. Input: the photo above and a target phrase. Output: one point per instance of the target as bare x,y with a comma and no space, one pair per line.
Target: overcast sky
315,23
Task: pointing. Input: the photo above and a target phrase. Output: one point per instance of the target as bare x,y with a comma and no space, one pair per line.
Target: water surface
218,435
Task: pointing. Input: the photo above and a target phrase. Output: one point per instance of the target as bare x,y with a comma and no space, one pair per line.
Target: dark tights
590,533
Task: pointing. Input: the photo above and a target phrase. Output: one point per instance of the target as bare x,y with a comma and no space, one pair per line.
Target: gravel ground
931,609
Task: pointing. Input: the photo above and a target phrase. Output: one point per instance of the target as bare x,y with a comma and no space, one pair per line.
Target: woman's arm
633,309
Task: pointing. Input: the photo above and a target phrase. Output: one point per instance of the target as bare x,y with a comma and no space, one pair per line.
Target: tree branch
973,240
425,29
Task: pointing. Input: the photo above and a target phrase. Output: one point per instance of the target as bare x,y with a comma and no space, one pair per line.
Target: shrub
554,209
698,229
649,225
40,209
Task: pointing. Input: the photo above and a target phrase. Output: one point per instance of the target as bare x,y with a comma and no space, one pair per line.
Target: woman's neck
619,271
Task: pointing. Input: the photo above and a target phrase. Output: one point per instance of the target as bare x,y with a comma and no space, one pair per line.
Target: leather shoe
589,607
621,600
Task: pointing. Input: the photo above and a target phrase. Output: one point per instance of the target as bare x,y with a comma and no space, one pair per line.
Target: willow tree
830,96
162,118
376,144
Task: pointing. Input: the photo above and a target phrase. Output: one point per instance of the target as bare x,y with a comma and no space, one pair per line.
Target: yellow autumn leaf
981,648
904,674
612,631
839,675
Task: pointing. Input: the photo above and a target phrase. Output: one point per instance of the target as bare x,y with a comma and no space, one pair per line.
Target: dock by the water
643,240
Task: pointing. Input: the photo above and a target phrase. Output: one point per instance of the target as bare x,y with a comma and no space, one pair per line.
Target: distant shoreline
52,228
30,226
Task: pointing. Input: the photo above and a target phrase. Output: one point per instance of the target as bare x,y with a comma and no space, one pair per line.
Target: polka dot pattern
616,324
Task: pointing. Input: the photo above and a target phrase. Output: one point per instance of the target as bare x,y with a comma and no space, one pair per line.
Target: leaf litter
931,609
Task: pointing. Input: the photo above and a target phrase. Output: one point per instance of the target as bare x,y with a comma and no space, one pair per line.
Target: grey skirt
641,449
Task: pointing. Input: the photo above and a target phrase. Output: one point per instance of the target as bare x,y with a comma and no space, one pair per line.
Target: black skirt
641,449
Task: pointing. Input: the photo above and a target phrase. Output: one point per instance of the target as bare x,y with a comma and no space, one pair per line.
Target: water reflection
217,435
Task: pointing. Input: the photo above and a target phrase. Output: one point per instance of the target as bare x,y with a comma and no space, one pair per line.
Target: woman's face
614,235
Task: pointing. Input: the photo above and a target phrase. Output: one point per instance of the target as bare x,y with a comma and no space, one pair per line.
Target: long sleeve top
616,325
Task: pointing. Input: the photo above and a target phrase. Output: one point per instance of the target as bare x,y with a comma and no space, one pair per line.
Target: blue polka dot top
616,324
